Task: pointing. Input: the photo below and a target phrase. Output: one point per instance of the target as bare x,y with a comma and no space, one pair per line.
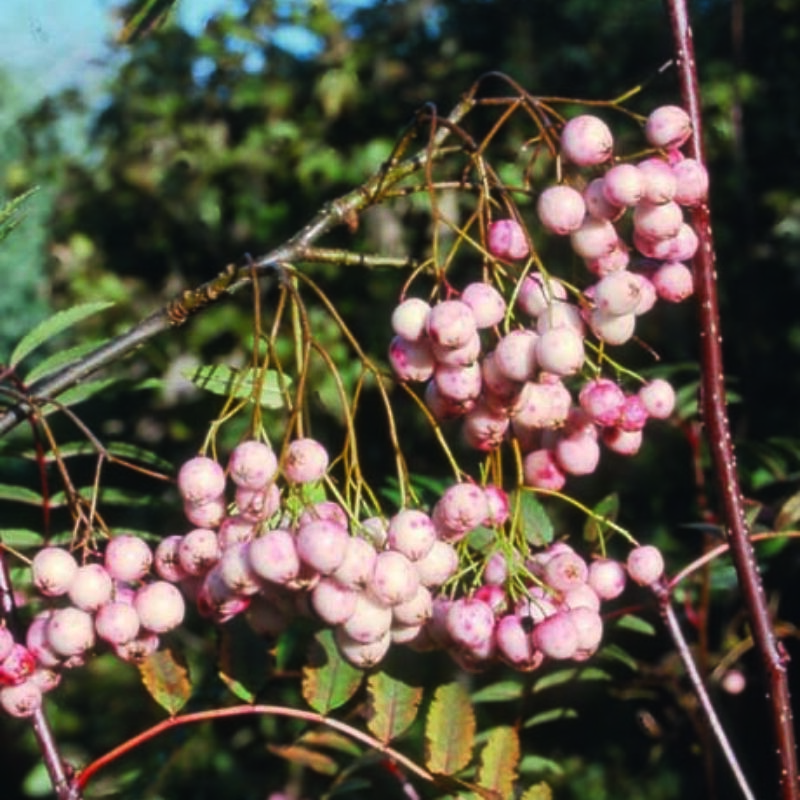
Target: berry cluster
512,380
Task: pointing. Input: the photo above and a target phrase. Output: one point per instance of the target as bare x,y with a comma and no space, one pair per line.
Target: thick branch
718,430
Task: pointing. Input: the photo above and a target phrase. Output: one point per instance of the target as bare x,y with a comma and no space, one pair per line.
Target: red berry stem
64,787
718,429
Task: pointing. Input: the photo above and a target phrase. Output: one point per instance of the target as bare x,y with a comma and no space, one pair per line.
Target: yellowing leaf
449,730
393,706
329,681
499,760
167,679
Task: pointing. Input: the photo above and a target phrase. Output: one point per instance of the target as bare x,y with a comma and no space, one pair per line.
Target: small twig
674,628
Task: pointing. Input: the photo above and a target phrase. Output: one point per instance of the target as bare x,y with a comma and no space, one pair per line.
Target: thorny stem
718,431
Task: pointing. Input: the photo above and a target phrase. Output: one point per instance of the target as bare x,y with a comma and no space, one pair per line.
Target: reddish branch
718,430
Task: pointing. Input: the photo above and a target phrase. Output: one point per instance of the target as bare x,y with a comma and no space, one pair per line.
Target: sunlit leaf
20,494
165,675
551,715
530,514
498,761
47,329
634,623
329,680
499,692
570,674
393,705
449,730
541,791
241,383
606,510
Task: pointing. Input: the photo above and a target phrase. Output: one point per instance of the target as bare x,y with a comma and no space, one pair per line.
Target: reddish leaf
449,730
166,677
329,681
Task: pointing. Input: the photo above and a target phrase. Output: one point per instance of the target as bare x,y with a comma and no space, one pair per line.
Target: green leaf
329,680
552,715
51,327
529,513
62,358
616,653
243,660
498,761
77,394
570,674
19,538
20,494
241,383
499,692
9,213
605,511
393,706
165,675
449,730
632,623
296,754
533,763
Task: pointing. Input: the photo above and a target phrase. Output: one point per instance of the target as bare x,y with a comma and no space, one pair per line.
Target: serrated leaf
329,680
243,660
165,675
530,514
541,791
19,538
551,715
393,706
499,692
498,761
47,329
633,623
570,674
20,494
295,754
606,510
57,361
242,383
449,730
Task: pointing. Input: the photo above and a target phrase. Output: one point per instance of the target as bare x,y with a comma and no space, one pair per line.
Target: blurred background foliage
200,149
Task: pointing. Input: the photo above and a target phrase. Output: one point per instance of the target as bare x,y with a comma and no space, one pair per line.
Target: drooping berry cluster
514,380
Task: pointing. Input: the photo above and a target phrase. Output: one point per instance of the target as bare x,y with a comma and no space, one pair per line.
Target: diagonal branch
718,429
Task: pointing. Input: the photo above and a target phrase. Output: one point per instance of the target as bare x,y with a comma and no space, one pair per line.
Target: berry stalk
718,429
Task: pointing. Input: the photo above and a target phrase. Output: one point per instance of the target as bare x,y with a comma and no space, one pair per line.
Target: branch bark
717,428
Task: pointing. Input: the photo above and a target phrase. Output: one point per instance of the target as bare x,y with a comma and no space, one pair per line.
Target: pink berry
515,355
565,571
356,567
557,636
497,504
487,304
394,579
659,182
458,356
17,666
411,532
322,545
506,239
23,700
36,641
657,221
595,238
53,569
166,561
438,565
733,682
623,185
70,631
470,622
578,454
645,564
411,361
236,529
625,443
363,654
692,182
91,588
560,350
252,465
461,508
607,578
668,127
409,319
451,324
580,596
414,611
200,480
128,558
586,140
215,599
460,384
673,281
589,626
237,572
602,400
617,293
537,294
333,603
561,209
444,407
540,470
633,414
597,204
658,398
206,515
139,649
257,505
485,428
613,329
117,622
306,461
370,620
516,644
198,551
